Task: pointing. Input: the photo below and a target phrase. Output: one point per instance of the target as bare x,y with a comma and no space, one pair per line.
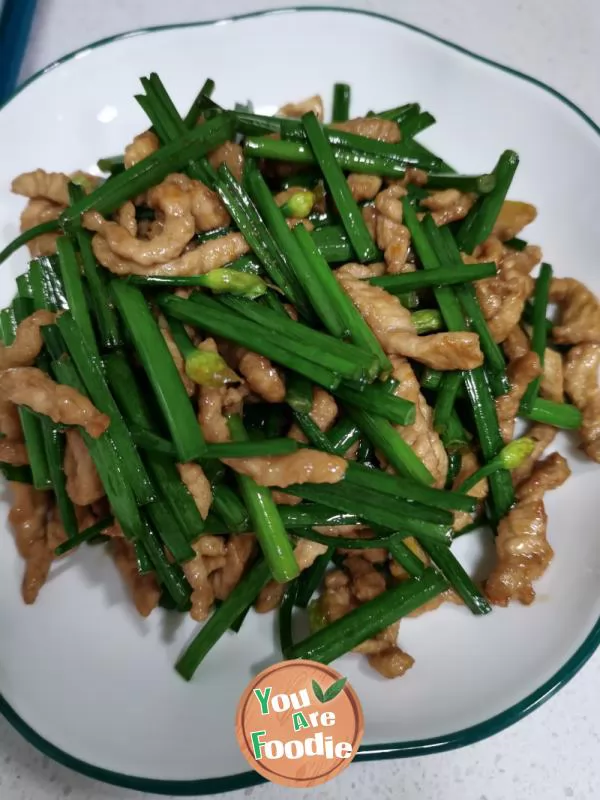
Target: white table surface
554,753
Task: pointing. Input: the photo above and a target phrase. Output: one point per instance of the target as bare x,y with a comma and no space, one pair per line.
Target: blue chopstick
15,23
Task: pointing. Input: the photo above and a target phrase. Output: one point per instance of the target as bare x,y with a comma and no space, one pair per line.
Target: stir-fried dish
269,362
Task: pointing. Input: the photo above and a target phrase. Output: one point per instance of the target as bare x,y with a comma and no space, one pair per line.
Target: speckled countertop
552,754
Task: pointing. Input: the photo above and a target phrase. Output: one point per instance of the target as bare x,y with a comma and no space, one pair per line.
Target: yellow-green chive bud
515,453
316,618
87,182
231,281
209,369
299,205
426,320
319,191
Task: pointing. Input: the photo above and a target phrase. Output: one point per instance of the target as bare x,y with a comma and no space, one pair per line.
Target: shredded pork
548,473
28,516
304,466
210,556
392,325
262,377
448,205
523,554
513,217
202,259
542,435
198,486
238,552
31,387
581,385
468,465
522,550
520,373
188,383
14,453
552,384
28,341
384,130
182,228
230,154
392,236
142,146
37,211
314,104
363,187
83,484
502,299
421,436
345,589
305,554
144,589
52,186
579,312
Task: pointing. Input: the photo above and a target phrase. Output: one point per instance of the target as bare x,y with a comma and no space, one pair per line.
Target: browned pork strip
28,516
448,205
205,205
238,552
28,341
363,187
421,436
579,312
502,299
210,556
391,323
198,485
144,589
36,211
392,236
31,387
84,486
548,473
513,217
142,146
14,453
581,385
520,373
343,591
323,413
10,421
262,377
542,435
468,465
51,186
523,554
305,554
188,383
304,466
204,258
314,104
384,130
230,154
552,385
215,402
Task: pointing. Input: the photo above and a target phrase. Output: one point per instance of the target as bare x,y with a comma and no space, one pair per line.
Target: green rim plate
374,752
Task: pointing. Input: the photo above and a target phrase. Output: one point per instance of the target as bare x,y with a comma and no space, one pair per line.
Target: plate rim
375,752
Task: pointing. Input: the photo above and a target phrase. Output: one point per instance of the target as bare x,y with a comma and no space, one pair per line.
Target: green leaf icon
318,692
335,688
330,693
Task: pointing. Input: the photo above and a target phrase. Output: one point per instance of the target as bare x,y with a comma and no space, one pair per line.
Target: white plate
95,682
